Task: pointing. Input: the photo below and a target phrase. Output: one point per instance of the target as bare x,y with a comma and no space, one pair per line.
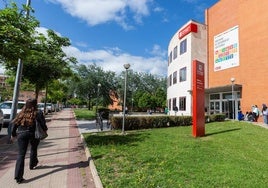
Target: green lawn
84,113
232,154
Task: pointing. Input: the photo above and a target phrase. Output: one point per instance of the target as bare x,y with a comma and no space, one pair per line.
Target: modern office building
234,48
188,44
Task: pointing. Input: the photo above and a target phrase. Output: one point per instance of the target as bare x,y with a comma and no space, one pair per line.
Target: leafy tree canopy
16,31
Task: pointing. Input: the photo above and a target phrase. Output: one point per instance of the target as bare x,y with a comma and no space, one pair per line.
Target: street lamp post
126,66
233,100
17,83
98,92
132,100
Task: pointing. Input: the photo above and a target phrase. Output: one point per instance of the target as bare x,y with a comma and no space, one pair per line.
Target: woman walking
24,126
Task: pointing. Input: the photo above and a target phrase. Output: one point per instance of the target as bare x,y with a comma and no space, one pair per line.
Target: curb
92,166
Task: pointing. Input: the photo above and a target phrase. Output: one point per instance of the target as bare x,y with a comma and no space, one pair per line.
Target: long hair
27,115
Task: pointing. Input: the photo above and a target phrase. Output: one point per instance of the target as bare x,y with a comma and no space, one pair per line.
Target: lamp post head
99,85
232,80
126,66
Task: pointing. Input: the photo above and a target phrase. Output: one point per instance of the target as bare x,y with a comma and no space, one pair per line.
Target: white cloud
157,51
114,60
96,12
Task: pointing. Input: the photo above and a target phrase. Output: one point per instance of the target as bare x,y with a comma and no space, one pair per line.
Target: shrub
147,122
216,117
180,121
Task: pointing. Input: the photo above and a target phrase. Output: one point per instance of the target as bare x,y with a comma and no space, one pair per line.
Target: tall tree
15,33
43,57
47,61
143,89
87,86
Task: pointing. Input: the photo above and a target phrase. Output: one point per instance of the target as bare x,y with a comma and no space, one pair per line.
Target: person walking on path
63,161
265,114
255,113
24,122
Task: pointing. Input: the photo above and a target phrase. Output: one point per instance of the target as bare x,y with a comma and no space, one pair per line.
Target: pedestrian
240,116
246,116
265,113
23,129
256,113
250,117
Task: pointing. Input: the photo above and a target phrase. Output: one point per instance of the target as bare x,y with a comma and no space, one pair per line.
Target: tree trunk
36,93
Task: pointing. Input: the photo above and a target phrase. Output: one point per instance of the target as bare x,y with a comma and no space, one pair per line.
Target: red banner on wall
198,99
192,27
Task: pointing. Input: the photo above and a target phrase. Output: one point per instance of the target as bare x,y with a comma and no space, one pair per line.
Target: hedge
147,122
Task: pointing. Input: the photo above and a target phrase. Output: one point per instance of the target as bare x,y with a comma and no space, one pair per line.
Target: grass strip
232,154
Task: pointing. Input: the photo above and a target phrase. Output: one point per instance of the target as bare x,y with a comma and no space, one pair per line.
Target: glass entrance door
214,107
227,109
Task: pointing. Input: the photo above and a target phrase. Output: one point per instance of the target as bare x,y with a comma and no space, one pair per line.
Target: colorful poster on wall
226,49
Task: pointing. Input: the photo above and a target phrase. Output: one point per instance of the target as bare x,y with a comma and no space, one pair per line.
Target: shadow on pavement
57,168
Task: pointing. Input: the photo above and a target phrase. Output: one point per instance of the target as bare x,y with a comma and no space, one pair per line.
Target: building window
170,57
175,77
183,46
170,80
169,104
174,103
183,74
214,96
228,96
182,101
175,52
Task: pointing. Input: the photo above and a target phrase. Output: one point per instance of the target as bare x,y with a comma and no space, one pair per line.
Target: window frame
183,74
183,46
175,77
182,103
175,52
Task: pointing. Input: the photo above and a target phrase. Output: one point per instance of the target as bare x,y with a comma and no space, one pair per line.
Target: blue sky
111,33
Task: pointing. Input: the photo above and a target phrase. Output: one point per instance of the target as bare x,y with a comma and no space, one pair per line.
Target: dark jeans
255,116
24,138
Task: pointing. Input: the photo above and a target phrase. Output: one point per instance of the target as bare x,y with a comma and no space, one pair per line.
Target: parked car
6,108
50,107
1,119
41,106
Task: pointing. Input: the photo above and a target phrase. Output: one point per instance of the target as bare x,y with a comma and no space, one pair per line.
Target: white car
6,108
50,107
1,119
41,106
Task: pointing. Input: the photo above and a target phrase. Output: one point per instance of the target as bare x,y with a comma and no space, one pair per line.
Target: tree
146,90
15,33
161,97
43,57
57,91
87,86
46,61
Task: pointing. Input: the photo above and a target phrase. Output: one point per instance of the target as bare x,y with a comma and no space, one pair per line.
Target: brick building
236,61
237,48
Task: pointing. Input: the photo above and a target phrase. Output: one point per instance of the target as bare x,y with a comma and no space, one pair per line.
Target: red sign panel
188,29
198,99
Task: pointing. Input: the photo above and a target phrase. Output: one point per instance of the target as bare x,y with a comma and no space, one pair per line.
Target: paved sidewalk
63,162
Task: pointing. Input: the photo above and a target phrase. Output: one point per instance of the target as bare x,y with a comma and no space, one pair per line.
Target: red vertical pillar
198,99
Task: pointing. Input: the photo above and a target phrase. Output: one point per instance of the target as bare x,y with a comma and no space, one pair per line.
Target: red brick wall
252,19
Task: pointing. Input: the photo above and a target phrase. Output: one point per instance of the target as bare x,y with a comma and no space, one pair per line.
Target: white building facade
188,43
